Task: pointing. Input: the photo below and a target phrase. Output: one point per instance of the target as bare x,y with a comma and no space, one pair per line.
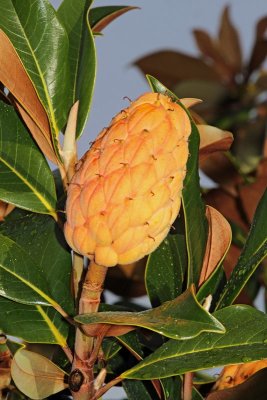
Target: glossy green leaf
196,227
172,388
14,346
82,55
35,375
42,45
25,177
34,324
100,17
214,283
244,340
136,390
165,267
38,254
110,348
194,212
21,279
131,342
181,318
254,251
239,235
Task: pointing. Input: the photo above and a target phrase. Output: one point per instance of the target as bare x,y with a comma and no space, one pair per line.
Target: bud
126,191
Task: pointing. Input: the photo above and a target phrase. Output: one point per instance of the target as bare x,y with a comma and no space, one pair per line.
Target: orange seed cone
126,191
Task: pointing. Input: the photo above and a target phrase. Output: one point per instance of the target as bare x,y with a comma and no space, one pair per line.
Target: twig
68,353
188,386
106,387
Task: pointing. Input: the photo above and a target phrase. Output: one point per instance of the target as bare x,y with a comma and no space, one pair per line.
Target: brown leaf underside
253,388
219,239
15,79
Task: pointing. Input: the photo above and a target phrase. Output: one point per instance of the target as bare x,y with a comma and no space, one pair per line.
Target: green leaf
244,341
238,234
14,346
213,284
38,255
164,274
42,45
196,226
131,342
172,388
20,278
25,177
136,390
181,318
110,348
82,55
34,324
100,17
253,253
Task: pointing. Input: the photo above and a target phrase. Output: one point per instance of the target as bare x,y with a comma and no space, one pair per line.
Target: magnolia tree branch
85,354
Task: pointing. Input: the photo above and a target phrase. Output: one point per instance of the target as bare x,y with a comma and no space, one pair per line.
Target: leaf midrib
209,350
60,339
46,204
50,107
50,302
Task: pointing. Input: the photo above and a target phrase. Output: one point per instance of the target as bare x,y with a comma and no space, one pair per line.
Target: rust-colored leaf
250,194
206,45
212,54
218,242
104,22
220,169
212,140
259,50
229,43
5,209
253,388
233,375
16,80
227,204
171,67
43,141
107,329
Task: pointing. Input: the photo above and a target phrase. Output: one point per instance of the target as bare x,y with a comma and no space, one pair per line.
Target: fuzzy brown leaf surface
16,80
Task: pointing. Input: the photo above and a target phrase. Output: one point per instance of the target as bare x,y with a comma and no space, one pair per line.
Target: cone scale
126,191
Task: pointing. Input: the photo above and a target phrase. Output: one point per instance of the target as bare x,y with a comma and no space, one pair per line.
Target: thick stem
89,302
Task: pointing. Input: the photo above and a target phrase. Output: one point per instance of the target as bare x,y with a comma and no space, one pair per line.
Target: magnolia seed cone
126,191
